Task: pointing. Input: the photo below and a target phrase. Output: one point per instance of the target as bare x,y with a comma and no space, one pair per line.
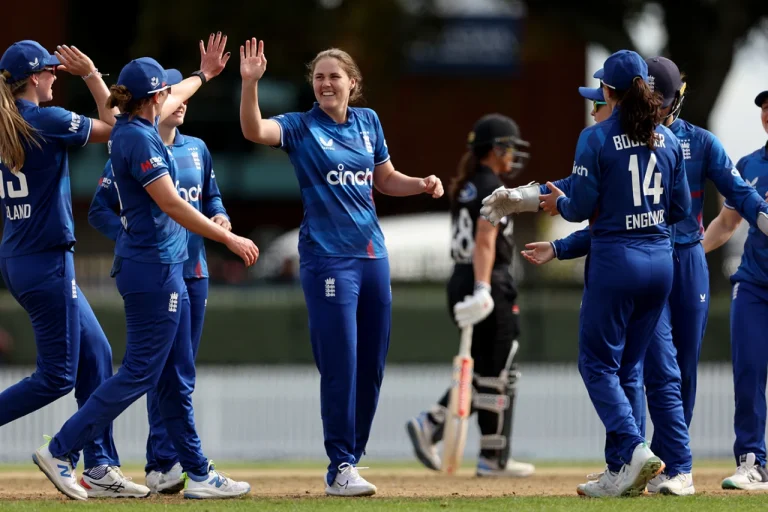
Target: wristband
200,75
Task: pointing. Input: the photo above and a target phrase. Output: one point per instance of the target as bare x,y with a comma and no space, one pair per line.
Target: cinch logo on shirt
342,177
191,194
155,161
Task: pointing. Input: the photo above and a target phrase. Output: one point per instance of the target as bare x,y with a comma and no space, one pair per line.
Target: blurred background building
430,68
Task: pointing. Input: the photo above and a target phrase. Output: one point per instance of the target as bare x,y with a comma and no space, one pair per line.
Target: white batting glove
762,222
474,308
504,201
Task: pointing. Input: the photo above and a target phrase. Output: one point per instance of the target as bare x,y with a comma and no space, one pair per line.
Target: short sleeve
67,127
148,159
291,130
380,151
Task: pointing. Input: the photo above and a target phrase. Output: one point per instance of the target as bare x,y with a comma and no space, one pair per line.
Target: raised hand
253,63
73,61
212,58
433,186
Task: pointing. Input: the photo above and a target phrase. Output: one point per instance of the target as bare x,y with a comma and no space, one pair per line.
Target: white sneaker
634,476
600,485
348,482
748,476
59,472
513,469
114,484
421,432
679,485
214,486
170,482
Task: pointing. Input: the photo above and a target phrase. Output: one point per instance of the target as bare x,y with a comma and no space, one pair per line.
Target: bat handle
466,341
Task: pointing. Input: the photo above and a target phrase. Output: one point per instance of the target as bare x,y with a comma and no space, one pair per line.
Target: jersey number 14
656,190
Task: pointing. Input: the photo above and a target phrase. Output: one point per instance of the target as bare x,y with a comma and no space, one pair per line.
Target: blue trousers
72,349
349,301
628,286
749,354
158,354
161,454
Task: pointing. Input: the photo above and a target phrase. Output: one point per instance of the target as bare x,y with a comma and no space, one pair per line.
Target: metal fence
258,413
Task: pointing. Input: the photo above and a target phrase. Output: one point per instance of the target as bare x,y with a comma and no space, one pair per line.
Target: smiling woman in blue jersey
339,155
37,250
149,258
749,323
196,183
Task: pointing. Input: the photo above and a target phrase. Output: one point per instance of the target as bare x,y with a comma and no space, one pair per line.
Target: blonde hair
347,63
15,131
120,97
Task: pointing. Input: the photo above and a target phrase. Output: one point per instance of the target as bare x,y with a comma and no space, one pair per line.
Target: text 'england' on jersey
754,259
36,202
464,214
334,164
139,158
624,188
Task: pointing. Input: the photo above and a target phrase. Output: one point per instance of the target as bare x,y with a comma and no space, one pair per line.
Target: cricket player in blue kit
196,183
339,154
749,323
629,275
149,257
37,250
674,338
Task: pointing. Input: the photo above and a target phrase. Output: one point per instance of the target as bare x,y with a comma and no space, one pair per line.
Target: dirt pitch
392,483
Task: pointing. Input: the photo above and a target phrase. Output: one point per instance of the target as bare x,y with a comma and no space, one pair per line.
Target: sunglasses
50,69
597,104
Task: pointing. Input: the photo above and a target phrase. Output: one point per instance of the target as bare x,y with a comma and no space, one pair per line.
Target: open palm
253,63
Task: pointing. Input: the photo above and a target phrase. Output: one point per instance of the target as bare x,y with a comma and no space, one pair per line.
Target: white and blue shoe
170,482
421,432
749,476
213,486
348,482
110,482
513,469
60,472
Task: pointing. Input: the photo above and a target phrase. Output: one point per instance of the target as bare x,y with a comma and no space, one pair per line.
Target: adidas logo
173,303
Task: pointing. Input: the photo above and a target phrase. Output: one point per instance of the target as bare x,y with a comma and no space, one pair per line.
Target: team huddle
157,199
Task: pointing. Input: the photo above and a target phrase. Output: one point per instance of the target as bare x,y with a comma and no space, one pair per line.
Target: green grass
697,503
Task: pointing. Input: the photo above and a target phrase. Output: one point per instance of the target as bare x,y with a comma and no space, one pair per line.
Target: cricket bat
459,405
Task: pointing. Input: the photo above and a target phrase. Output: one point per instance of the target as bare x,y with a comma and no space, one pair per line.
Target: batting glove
474,308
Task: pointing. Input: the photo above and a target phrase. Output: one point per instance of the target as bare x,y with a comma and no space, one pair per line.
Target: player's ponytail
465,170
120,97
14,129
640,112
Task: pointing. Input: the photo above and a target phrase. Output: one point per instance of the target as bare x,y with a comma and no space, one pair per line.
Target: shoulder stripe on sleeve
155,178
383,161
90,127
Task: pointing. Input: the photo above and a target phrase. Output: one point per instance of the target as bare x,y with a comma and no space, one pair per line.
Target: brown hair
15,131
347,63
640,112
122,99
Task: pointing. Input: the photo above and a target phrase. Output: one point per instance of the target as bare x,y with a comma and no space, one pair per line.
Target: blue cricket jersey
37,201
138,158
754,261
705,158
622,187
334,164
196,183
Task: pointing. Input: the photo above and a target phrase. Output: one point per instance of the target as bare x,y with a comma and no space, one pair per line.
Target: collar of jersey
125,118
21,103
324,118
179,139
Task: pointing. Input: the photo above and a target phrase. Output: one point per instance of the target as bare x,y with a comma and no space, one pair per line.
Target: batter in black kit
482,283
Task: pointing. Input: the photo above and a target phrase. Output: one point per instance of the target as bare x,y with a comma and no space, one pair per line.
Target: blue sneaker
421,432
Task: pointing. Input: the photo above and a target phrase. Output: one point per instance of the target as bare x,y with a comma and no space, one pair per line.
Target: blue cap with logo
145,76
621,69
664,78
589,93
24,58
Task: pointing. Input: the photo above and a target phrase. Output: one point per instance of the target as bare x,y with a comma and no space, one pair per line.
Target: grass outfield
402,486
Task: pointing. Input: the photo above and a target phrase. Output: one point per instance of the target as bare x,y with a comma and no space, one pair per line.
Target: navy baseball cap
145,76
23,58
592,94
761,98
621,68
664,78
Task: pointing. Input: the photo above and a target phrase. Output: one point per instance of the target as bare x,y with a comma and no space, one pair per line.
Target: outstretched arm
253,64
